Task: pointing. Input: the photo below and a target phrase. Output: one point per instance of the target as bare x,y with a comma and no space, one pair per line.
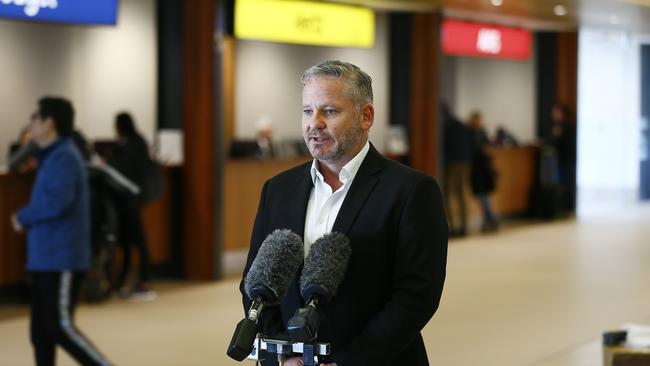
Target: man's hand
16,224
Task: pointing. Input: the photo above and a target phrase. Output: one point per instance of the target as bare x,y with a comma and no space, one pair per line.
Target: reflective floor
530,296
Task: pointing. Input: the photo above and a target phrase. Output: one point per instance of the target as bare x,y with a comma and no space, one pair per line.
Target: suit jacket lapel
298,200
362,185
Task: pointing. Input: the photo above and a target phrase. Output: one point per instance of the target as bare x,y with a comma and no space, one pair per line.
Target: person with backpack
131,158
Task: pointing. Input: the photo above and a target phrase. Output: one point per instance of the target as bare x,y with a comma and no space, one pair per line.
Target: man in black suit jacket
393,216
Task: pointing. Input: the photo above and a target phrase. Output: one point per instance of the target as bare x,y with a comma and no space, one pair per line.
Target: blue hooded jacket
57,218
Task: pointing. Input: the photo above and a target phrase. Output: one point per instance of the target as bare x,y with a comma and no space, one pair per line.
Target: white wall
609,116
502,90
103,70
608,109
267,81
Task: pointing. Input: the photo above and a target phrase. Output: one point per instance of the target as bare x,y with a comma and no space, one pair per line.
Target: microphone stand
310,351
301,339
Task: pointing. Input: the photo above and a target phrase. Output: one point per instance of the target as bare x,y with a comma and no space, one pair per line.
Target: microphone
321,276
266,283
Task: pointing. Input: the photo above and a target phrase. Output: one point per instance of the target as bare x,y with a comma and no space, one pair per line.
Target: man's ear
367,116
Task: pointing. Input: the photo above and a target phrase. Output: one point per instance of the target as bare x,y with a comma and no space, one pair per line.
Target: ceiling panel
533,14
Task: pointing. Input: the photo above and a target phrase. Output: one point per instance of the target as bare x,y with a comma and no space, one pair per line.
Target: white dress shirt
324,205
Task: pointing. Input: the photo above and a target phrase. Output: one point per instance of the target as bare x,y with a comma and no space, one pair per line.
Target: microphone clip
255,310
303,326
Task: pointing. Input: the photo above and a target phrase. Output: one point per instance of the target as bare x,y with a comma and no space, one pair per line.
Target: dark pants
456,181
132,233
54,296
489,219
567,178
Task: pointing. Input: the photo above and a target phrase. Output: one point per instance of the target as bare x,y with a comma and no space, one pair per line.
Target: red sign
485,40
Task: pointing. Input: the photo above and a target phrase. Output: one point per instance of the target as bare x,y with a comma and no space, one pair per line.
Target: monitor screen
485,40
61,11
104,148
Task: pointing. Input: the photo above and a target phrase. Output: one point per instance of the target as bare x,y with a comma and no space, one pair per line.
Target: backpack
153,184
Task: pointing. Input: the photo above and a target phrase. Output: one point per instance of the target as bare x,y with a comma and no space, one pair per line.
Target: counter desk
14,194
243,181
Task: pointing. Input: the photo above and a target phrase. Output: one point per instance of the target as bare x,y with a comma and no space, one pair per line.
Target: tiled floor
530,296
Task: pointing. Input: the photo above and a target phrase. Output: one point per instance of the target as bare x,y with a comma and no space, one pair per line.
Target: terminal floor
538,295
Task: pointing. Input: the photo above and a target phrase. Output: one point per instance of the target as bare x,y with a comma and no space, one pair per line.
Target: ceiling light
559,10
496,2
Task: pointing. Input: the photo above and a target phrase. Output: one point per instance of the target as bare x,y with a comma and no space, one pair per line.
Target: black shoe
490,227
457,233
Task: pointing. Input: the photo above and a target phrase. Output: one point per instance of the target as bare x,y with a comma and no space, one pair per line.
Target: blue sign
61,11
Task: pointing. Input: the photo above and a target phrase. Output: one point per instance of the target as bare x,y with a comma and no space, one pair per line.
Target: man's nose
316,121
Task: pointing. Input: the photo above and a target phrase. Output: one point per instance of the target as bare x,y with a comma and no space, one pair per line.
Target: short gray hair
359,84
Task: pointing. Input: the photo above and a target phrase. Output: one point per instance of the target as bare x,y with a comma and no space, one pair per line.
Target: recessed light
496,2
559,10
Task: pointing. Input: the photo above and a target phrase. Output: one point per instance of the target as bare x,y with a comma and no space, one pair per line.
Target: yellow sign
305,22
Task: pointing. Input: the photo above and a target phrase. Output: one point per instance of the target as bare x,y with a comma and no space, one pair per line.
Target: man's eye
330,112
307,112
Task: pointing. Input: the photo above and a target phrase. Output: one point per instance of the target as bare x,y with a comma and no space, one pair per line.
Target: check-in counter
14,194
515,177
243,180
242,185
515,168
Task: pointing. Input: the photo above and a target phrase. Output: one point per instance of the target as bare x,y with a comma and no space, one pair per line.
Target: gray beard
350,140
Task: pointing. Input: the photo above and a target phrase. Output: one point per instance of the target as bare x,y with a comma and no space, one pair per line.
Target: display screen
61,11
305,22
485,40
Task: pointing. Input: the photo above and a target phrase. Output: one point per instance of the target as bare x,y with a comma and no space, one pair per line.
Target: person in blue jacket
57,222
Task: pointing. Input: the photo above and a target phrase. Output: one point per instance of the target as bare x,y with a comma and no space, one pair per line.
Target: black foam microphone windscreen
325,266
275,265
